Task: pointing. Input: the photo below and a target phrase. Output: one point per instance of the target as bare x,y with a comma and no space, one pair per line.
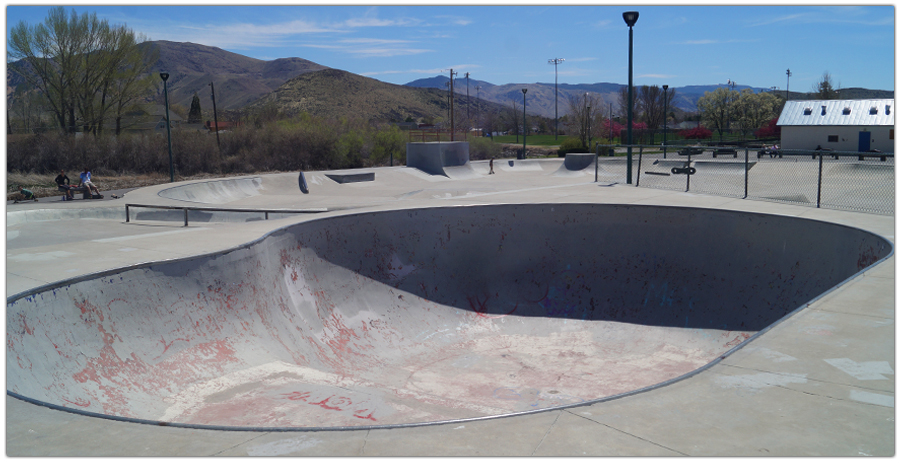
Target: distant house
222,126
406,125
839,125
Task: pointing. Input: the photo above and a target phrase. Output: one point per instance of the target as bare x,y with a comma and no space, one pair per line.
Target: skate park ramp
423,315
215,191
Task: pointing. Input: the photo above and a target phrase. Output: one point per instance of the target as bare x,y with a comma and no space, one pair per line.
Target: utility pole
468,103
215,114
452,124
477,103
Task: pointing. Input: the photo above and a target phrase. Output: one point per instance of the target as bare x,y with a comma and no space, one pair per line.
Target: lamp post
555,62
630,18
165,76
524,126
589,127
665,117
787,91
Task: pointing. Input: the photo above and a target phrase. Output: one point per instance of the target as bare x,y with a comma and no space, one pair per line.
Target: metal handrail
312,210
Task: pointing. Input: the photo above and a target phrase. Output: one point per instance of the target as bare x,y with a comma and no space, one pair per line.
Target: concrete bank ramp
215,191
423,315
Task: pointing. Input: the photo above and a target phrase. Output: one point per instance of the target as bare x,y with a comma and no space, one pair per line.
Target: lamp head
630,17
524,91
665,87
164,76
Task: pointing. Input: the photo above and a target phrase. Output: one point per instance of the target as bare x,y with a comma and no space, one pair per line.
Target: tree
754,110
583,110
651,102
195,116
824,90
716,108
82,66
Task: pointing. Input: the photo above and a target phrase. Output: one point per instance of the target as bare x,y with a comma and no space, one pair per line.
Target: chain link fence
851,181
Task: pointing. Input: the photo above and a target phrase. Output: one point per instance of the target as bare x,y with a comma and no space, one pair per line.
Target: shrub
571,145
483,148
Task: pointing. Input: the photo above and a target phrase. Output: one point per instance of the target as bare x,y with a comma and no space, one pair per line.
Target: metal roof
879,112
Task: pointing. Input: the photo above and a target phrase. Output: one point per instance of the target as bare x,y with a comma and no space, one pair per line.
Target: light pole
589,127
630,18
787,91
665,117
524,126
555,62
165,76
609,124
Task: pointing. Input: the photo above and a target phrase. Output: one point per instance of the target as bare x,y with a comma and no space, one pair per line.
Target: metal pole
630,101
665,117
452,125
787,91
215,113
819,193
746,172
165,77
597,163
555,62
524,125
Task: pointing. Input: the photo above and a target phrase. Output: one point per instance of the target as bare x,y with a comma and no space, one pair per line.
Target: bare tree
582,115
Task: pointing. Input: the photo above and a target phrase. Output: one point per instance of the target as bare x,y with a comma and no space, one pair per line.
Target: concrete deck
820,383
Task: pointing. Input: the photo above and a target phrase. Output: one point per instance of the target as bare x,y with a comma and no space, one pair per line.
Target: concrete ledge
352,178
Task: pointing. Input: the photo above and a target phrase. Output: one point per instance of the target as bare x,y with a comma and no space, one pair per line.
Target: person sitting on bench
62,181
86,182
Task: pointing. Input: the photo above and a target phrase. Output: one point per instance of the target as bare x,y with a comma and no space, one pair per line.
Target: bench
689,151
86,193
719,151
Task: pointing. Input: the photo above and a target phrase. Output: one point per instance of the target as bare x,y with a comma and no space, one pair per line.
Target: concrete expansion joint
239,444
547,433
626,433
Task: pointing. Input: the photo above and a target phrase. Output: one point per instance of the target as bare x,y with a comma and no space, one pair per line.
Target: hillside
238,80
541,96
333,93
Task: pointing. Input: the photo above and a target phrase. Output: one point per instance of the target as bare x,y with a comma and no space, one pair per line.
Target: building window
873,110
832,139
807,111
846,111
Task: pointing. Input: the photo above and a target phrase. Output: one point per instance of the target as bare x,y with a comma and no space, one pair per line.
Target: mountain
541,98
238,79
332,93
299,84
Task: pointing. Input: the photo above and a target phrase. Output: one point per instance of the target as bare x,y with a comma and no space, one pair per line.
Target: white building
839,125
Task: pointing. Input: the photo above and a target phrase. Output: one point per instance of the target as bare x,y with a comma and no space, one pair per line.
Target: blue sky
674,45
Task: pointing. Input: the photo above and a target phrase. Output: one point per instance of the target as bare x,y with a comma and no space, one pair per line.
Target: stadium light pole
165,76
787,91
555,62
524,126
630,18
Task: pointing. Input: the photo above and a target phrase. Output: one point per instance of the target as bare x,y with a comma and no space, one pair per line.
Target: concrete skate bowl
420,316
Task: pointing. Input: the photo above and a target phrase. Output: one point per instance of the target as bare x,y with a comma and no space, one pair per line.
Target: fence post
688,175
185,217
746,170
127,216
819,193
640,156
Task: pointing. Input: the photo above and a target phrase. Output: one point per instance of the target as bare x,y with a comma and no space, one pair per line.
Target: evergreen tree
194,116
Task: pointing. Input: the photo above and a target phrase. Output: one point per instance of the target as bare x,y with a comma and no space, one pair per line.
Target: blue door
865,140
